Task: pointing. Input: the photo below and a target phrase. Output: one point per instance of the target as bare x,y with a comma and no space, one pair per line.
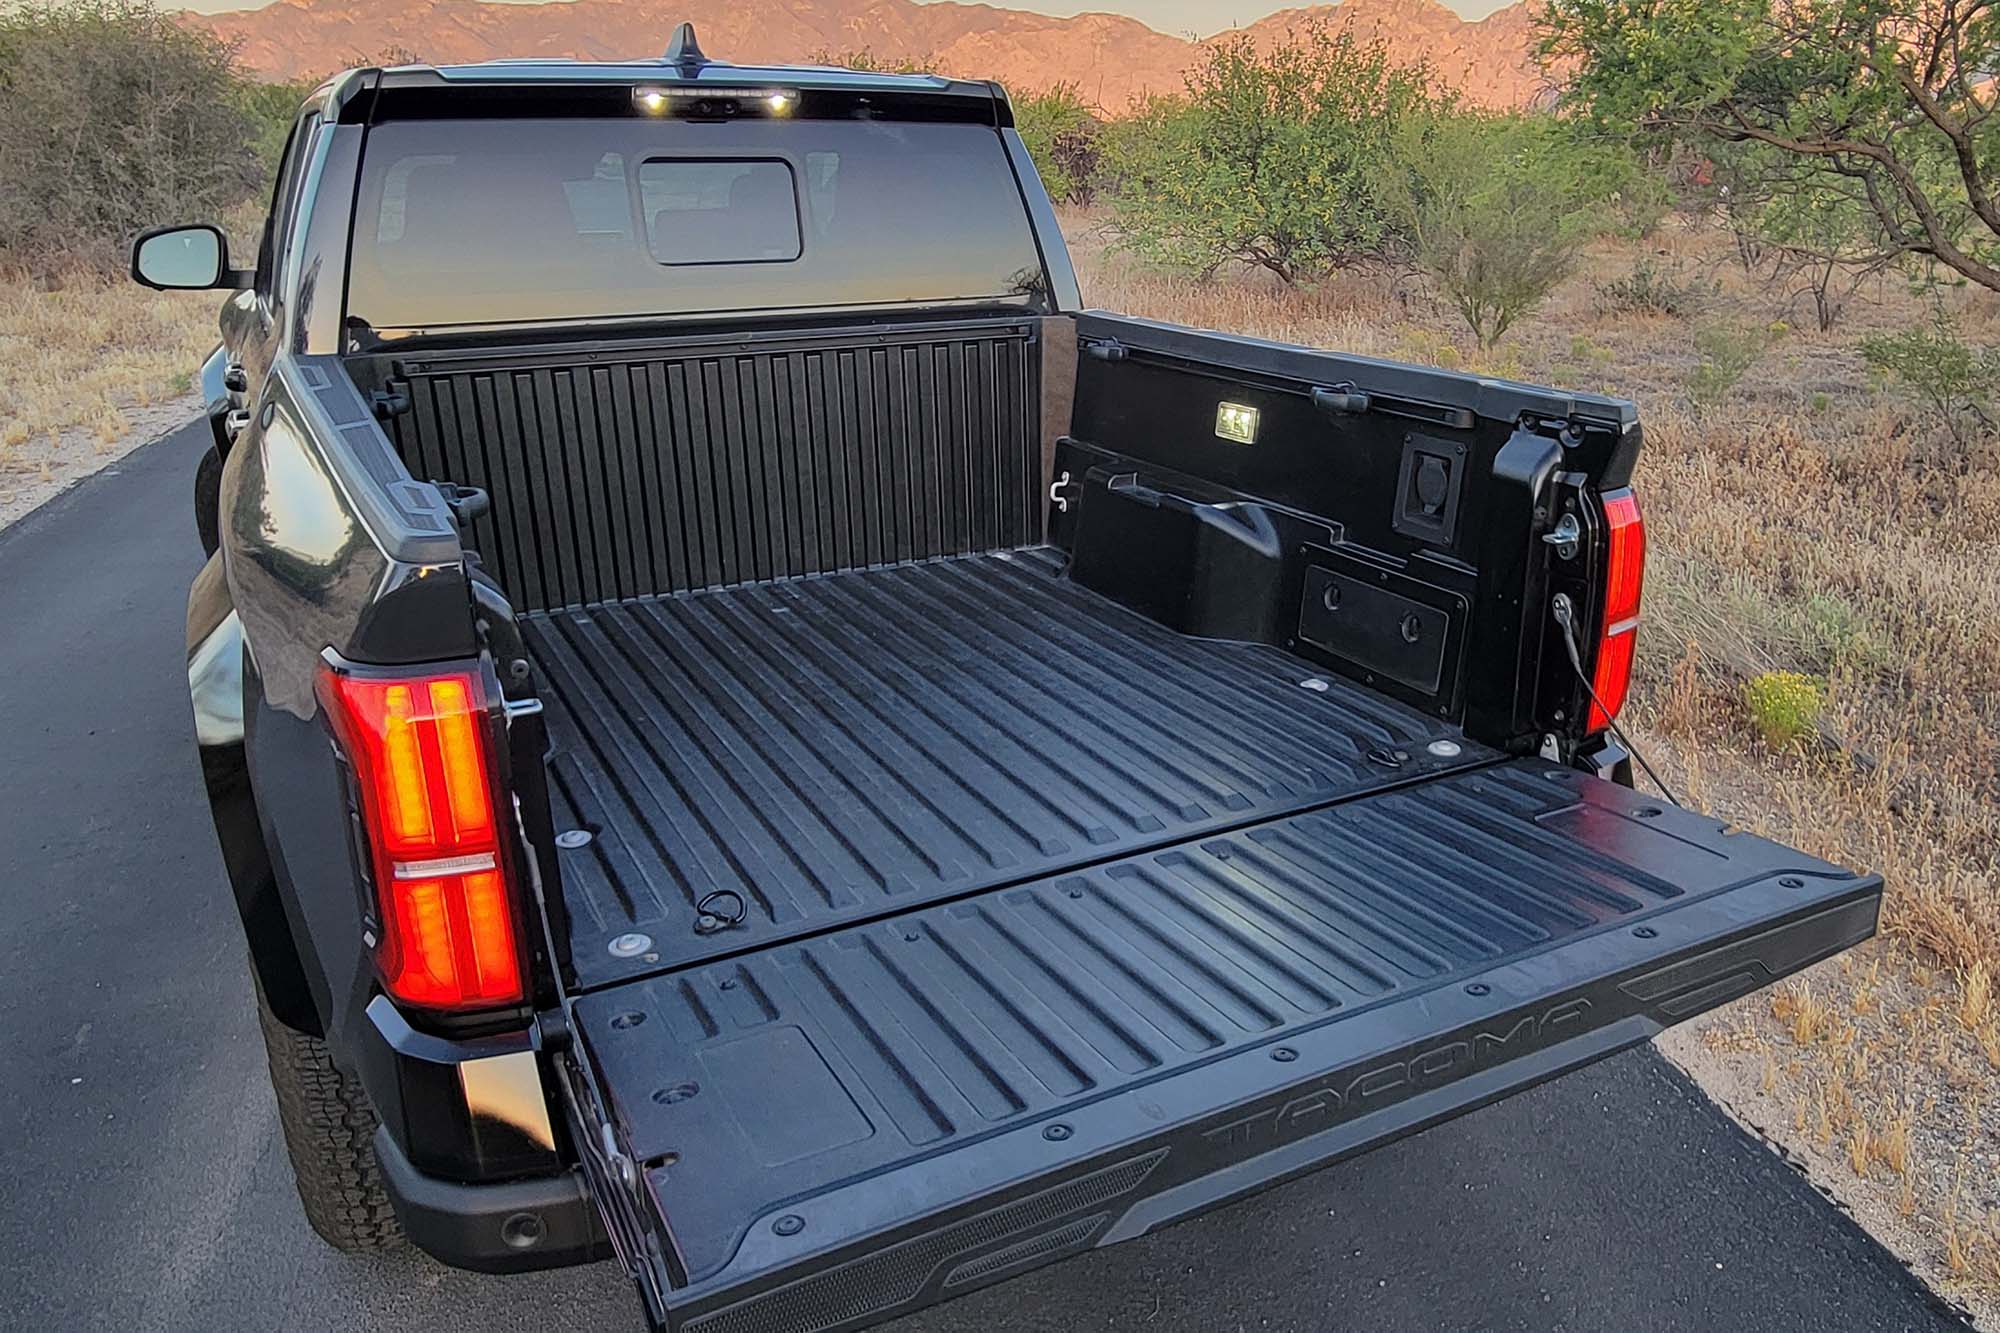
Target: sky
1201,17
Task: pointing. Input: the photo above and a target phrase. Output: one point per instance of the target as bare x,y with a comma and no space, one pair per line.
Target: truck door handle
235,378
236,422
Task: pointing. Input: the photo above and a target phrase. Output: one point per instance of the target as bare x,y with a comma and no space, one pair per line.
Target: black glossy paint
215,687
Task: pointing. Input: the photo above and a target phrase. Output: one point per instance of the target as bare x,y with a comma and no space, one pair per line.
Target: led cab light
659,98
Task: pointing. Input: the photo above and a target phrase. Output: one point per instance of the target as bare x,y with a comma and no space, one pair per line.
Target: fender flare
215,395
215,662
208,473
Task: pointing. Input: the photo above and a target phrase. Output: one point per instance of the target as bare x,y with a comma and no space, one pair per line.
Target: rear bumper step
782,1180
506,1227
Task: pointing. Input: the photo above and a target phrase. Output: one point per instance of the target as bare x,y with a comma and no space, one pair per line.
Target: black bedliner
820,750
945,1097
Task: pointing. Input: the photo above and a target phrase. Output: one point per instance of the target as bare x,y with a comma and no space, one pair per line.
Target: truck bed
1038,925
814,751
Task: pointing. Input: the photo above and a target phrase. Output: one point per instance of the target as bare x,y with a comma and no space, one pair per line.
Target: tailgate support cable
1565,613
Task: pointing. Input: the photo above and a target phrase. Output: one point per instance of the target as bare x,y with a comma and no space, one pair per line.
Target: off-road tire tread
330,1136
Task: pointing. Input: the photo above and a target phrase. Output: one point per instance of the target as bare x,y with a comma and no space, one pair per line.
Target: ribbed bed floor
816,751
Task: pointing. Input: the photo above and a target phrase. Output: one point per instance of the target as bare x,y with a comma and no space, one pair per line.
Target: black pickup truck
753,734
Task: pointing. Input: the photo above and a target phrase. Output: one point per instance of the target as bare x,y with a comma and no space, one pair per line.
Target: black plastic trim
407,517
515,1226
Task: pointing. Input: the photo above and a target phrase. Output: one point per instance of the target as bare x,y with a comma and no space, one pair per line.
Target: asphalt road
143,1184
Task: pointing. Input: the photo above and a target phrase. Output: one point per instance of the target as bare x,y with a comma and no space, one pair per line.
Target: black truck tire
330,1136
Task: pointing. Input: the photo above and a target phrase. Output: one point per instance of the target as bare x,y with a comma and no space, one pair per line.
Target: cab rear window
503,221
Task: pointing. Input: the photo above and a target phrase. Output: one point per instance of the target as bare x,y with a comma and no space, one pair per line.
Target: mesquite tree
1885,107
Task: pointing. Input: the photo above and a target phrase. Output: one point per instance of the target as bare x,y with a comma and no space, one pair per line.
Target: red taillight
1624,572
417,747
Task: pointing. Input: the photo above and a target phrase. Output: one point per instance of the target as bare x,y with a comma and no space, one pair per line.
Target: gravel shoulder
44,467
1873,1073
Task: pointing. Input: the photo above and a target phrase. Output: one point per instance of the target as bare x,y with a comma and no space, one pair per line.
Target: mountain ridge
1113,60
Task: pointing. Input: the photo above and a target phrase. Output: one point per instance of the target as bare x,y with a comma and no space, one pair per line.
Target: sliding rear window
505,221
721,211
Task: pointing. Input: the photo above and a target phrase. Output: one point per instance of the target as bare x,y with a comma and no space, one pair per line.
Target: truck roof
684,64
715,73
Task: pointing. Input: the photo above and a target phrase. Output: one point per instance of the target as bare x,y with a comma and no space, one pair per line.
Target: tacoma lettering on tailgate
1348,1095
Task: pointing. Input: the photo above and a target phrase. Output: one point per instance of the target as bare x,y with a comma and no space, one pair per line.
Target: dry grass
82,353
1802,520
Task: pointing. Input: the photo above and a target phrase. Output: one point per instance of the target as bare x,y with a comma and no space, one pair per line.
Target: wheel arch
215,662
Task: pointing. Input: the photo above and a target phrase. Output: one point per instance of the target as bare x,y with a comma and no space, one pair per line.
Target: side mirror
185,259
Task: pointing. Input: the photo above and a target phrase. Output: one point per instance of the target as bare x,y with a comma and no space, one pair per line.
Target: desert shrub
1727,353
271,109
1432,349
113,118
868,62
1496,207
1650,289
1061,135
1784,706
1585,352
1949,377
1838,634
1279,158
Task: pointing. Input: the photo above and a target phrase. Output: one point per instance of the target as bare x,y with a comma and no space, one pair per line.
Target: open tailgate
826,1133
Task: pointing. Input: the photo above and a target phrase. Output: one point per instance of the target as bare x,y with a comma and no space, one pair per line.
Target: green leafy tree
1280,158
1497,207
1886,105
1821,240
113,118
1061,132
270,109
